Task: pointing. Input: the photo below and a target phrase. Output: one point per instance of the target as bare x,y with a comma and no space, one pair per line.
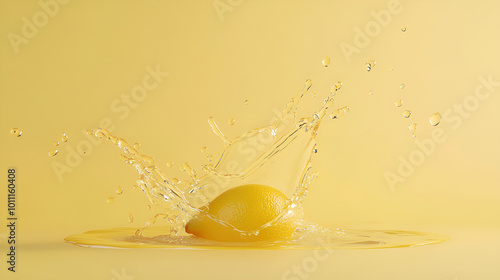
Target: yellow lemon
244,209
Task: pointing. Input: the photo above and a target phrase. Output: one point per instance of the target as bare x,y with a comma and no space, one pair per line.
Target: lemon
244,209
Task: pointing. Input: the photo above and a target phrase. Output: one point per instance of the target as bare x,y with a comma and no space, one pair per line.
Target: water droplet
231,121
119,190
413,128
315,150
407,113
336,87
137,146
326,61
149,207
170,164
403,29
245,102
370,64
391,69
435,119
340,112
210,157
402,86
398,103
110,200
371,92
313,94
90,131
64,137
56,143
130,218
134,187
16,132
150,169
204,149
53,152
84,151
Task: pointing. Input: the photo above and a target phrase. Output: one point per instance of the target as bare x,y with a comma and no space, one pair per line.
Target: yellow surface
245,210
87,64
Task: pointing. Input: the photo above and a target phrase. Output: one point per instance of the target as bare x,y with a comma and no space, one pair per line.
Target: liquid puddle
282,159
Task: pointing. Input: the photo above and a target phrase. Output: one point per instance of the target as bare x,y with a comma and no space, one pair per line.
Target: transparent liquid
282,159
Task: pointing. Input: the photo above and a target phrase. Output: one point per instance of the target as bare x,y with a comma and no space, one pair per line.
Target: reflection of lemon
245,208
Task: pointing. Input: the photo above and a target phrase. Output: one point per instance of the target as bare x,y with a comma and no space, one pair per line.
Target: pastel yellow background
76,68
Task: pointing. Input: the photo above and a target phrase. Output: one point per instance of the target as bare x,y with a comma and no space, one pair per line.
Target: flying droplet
407,113
176,181
370,64
371,92
403,29
137,146
313,94
336,87
391,69
210,157
53,152
119,190
402,86
204,149
90,131
64,137
413,128
435,119
16,132
326,61
110,200
398,103
315,151
170,164
309,83
130,218
231,121
134,187
245,102
56,143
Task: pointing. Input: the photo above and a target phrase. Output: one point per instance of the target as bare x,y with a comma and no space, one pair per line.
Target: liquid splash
283,152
